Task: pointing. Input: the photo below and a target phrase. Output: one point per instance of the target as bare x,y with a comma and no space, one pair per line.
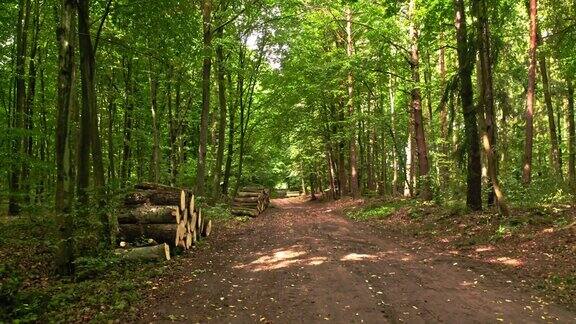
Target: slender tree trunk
571,135
474,166
354,190
487,114
222,120
90,134
395,164
444,176
231,131
155,168
206,68
18,118
554,147
126,169
30,99
529,114
66,76
416,105
111,122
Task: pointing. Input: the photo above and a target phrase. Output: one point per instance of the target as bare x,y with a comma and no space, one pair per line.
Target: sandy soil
303,262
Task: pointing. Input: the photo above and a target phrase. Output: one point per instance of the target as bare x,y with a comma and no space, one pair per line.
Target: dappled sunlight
507,261
282,258
484,249
358,257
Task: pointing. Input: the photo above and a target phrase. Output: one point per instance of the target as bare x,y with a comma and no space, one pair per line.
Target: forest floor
307,262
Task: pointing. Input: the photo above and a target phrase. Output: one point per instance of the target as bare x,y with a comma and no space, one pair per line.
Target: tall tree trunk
29,111
555,158
206,68
231,131
443,174
571,135
66,75
395,164
529,114
18,116
416,104
487,114
354,190
111,122
90,134
155,169
126,170
222,120
474,166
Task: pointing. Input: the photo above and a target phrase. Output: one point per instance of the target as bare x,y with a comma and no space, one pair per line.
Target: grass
378,209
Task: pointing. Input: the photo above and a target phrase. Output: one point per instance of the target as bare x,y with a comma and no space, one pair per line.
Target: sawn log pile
162,213
251,201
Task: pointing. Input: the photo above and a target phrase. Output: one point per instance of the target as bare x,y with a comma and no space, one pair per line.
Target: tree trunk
29,112
231,131
474,166
90,134
66,76
20,105
487,114
444,174
571,135
354,190
155,168
416,104
222,120
529,114
206,68
555,158
126,169
111,122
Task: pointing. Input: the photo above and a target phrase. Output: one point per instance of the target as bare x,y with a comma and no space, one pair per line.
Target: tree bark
571,135
14,206
90,134
529,114
487,114
354,190
472,142
155,168
231,131
555,157
66,76
222,119
416,104
206,68
126,170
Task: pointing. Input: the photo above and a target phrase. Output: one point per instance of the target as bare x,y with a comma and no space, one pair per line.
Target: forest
446,121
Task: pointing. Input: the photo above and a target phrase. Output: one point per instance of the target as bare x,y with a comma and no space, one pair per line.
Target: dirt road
302,262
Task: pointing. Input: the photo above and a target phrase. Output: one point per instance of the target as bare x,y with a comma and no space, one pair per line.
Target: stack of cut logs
251,201
164,214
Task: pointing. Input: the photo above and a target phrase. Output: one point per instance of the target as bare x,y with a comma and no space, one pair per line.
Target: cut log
245,212
207,228
149,215
246,199
254,188
155,186
183,199
137,197
159,252
244,194
199,222
161,233
191,205
165,198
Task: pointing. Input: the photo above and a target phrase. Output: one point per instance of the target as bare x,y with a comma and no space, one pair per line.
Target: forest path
303,262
